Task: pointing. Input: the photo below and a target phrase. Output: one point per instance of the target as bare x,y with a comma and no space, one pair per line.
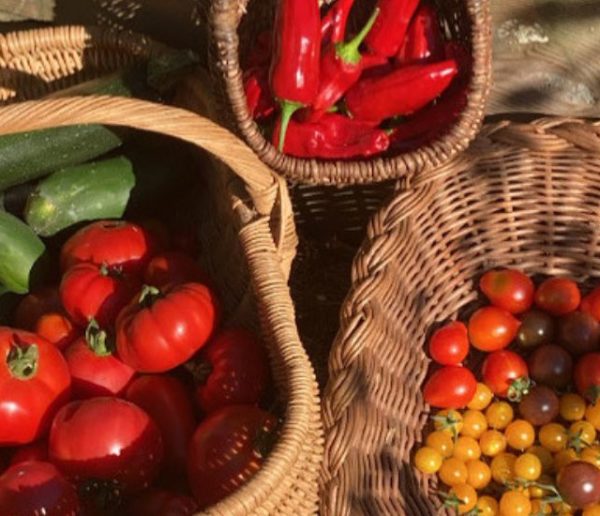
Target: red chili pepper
333,136
294,74
333,24
388,33
258,96
423,42
261,51
400,92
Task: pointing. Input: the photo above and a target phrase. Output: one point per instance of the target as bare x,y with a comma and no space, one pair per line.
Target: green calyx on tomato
576,442
518,388
113,272
22,361
97,339
149,295
448,422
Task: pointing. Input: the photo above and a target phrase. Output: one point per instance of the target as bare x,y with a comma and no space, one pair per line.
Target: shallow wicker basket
235,24
524,195
247,228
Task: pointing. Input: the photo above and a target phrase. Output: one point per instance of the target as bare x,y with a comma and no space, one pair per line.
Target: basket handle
260,181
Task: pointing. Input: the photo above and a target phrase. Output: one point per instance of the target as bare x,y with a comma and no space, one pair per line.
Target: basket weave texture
247,227
524,195
234,25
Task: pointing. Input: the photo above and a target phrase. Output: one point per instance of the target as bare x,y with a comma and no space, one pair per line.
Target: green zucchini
21,252
98,190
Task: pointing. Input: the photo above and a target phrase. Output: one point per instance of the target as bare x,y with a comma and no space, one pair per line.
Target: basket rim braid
524,195
225,17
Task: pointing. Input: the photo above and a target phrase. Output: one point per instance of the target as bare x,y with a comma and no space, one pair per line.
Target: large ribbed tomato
158,330
34,383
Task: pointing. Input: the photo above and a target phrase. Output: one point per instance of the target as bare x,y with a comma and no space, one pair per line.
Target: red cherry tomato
168,403
492,328
57,329
34,384
450,344
158,502
34,451
173,268
106,439
591,304
587,376
159,331
508,289
35,305
227,449
500,371
558,296
450,387
36,488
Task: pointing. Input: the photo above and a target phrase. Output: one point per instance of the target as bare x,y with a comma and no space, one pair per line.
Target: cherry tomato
158,502
544,455
466,497
466,448
442,442
572,407
161,330
581,434
106,439
450,421
558,296
487,506
553,437
453,472
551,365
34,451
428,460
508,289
499,414
482,397
528,467
450,387
540,507
564,457
34,384
479,474
505,373
34,487
587,376
227,449
592,414
540,405
579,333
520,434
57,329
503,467
515,503
492,443
450,344
474,423
492,328
590,304
579,484
591,454
173,268
536,328
34,305
592,510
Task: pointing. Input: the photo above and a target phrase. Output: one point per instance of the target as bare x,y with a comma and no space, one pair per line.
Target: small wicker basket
524,195
235,24
247,227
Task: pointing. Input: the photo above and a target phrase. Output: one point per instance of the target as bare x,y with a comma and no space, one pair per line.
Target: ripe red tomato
558,296
590,304
95,370
168,403
227,449
96,292
492,328
34,384
159,331
158,502
587,376
34,451
232,369
450,387
450,344
34,305
106,439
57,329
34,487
500,371
173,268
508,289
111,242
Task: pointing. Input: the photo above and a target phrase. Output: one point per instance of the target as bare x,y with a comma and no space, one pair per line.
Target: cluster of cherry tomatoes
119,393
522,440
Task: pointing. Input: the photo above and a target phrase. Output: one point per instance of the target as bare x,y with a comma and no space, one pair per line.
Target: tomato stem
518,389
22,361
97,339
149,295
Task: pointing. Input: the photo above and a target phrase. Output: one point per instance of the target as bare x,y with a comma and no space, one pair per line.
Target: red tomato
111,242
95,370
34,451
587,376
505,373
35,305
450,387
106,439
57,329
34,384
158,502
167,402
558,296
227,450
591,304
450,344
492,328
508,289
36,488
95,292
173,268
159,331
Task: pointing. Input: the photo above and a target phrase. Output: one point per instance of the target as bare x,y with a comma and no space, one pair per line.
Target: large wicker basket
524,195
235,24
246,225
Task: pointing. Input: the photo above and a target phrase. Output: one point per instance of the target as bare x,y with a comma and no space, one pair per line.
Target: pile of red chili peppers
334,97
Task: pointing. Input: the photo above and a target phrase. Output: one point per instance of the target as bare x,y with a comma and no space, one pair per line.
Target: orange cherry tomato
450,344
57,329
558,296
492,328
508,289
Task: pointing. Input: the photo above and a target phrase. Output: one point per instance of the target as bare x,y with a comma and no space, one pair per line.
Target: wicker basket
235,23
524,195
249,233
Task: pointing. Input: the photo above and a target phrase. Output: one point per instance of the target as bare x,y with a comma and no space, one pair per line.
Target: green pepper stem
348,52
148,295
288,108
97,339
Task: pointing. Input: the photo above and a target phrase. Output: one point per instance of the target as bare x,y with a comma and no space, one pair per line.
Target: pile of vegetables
522,440
330,96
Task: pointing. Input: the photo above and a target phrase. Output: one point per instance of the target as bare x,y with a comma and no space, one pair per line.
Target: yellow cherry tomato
515,503
592,510
592,414
553,437
539,507
479,474
581,434
520,434
528,467
467,496
474,424
492,442
562,509
544,455
466,448
487,506
502,467
482,397
441,442
449,420
499,414
453,472
563,457
591,454
572,407
537,492
428,460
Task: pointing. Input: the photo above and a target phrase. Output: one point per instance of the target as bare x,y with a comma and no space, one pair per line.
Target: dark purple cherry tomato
540,405
579,484
579,333
551,365
536,328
